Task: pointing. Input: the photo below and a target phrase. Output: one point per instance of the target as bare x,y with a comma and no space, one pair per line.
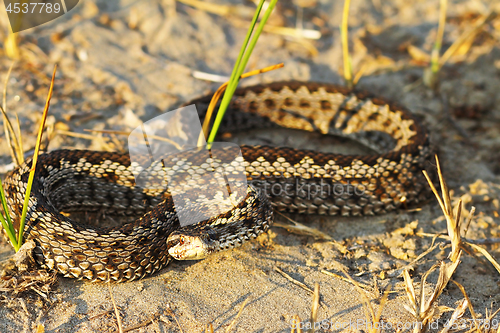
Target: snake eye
181,240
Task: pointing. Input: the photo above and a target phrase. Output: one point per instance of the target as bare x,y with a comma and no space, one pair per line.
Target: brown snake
292,180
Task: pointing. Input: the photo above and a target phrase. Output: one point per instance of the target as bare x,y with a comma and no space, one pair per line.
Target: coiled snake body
289,179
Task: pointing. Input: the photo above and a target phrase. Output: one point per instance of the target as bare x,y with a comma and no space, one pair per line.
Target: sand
122,61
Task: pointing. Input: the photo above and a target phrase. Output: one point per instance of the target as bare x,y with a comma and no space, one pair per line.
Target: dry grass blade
383,301
222,10
233,12
471,309
104,313
105,144
433,188
483,241
361,284
296,324
444,188
413,262
445,273
15,146
208,7
298,283
156,137
410,291
209,77
371,317
345,45
423,310
488,322
295,33
18,138
19,141
142,324
469,220
418,54
117,313
237,316
11,46
9,131
301,229
486,255
369,312
314,308
292,280
176,321
466,36
424,314
453,224
459,311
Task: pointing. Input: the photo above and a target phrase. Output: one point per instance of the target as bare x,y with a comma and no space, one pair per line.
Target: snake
279,178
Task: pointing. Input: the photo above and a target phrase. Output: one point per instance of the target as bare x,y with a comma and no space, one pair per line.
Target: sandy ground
121,61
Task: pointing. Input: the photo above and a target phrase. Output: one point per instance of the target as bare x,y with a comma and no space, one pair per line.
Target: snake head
184,246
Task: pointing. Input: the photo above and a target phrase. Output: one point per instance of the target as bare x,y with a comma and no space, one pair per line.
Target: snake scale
287,179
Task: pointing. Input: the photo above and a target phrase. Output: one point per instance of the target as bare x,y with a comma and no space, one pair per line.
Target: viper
279,178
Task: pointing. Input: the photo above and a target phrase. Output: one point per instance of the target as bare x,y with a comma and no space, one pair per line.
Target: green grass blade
10,234
7,225
245,42
26,204
253,42
4,205
439,37
240,67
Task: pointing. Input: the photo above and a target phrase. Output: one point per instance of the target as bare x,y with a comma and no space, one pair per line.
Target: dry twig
237,316
117,313
314,308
